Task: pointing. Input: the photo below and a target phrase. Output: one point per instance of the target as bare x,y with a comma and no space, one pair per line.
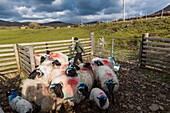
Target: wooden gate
155,53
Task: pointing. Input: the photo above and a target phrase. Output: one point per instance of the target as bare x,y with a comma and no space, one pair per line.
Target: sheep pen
141,90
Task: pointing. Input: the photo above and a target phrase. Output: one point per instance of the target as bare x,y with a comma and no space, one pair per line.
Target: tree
34,25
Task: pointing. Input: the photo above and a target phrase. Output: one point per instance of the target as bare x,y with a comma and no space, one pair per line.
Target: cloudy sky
75,11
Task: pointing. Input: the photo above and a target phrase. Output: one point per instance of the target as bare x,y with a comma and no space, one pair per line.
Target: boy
79,50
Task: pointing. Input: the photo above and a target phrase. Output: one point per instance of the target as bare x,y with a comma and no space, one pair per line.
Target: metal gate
121,48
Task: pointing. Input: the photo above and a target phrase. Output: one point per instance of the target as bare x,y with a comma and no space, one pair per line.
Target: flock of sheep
56,81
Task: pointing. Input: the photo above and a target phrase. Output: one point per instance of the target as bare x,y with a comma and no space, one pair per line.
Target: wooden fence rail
20,57
27,51
155,53
9,60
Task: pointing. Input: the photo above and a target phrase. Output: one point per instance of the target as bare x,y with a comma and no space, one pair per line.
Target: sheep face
83,90
36,72
11,94
110,85
56,62
71,72
98,63
42,59
57,89
102,100
73,66
88,65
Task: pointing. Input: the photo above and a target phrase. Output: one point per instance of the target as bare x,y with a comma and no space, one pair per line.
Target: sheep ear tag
53,85
116,67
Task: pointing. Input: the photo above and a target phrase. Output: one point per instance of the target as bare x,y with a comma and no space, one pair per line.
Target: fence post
72,47
112,47
141,48
92,43
17,57
32,60
103,42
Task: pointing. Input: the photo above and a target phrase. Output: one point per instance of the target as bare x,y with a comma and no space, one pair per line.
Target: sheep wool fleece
96,92
20,105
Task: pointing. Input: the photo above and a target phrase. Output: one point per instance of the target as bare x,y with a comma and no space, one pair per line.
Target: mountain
7,23
55,23
166,9
52,24
94,22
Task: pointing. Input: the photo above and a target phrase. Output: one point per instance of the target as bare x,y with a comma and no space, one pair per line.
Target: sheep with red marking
43,71
86,77
39,58
107,79
100,98
110,62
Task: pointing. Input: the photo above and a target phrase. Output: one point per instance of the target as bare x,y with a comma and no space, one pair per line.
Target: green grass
132,29
115,29
37,35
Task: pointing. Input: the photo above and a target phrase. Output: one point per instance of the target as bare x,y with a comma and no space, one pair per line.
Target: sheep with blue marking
100,98
86,77
19,104
110,62
43,71
107,79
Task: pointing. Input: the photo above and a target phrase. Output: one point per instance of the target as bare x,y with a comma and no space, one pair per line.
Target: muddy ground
141,91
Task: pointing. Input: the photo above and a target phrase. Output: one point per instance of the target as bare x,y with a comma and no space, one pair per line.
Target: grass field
129,29
37,35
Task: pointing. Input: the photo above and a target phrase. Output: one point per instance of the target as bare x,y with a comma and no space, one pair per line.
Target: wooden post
141,49
103,43
92,44
72,47
17,57
32,60
112,47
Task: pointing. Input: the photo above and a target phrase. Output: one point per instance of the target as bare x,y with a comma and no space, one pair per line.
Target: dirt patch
141,91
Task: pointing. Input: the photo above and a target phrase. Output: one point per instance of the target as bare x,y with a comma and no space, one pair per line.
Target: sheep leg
91,104
113,99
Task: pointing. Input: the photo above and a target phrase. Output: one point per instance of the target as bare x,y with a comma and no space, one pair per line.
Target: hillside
135,28
52,24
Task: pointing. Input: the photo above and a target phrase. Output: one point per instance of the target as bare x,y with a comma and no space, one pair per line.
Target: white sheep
107,79
99,97
86,77
18,103
37,92
110,62
39,58
43,71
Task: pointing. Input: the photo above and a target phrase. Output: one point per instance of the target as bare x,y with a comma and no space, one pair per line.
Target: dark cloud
76,10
